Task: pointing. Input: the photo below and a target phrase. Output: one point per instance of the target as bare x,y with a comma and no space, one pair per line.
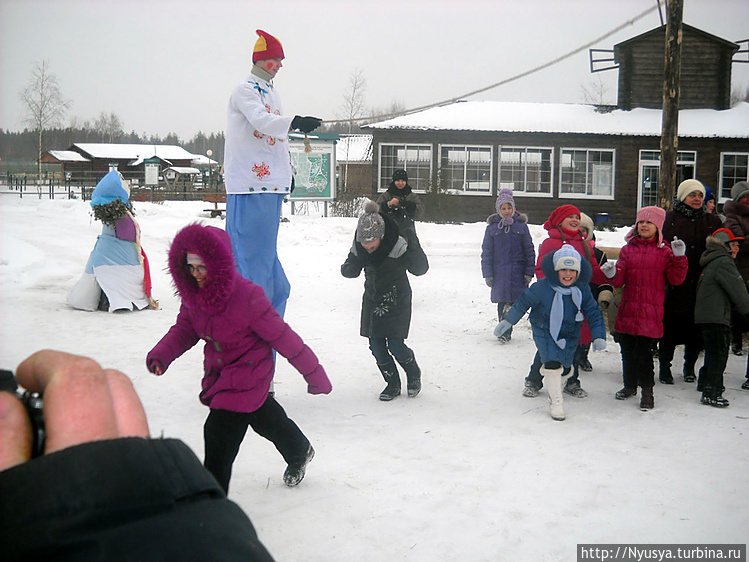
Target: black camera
34,407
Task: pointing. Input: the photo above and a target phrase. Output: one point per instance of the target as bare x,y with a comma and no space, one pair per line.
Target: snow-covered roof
183,170
354,148
200,160
68,156
522,117
137,152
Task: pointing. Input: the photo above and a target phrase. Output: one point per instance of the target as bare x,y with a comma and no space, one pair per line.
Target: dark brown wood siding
705,80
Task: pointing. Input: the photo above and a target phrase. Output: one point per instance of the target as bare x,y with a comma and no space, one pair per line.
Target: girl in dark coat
385,257
507,256
241,329
400,203
689,222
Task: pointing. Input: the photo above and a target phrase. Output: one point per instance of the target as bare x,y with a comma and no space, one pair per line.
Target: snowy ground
470,470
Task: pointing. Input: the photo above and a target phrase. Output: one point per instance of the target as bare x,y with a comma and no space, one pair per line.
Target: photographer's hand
82,402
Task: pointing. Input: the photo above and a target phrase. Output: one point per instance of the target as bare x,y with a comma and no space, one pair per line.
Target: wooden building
604,160
89,162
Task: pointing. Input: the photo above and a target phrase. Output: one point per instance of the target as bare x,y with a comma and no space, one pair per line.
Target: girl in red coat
563,226
646,263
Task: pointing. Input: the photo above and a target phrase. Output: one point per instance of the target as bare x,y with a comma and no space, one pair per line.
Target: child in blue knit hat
558,304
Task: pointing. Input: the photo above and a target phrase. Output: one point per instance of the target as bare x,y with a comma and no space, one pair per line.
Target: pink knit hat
656,215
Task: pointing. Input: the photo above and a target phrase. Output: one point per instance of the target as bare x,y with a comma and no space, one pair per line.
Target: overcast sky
169,66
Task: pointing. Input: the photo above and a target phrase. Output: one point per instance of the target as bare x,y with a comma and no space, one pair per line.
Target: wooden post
670,122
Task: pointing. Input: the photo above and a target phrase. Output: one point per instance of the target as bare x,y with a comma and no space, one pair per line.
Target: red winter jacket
643,268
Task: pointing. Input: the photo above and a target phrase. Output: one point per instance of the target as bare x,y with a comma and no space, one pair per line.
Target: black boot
413,376
392,378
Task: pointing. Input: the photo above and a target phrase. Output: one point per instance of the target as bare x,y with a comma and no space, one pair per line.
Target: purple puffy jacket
238,324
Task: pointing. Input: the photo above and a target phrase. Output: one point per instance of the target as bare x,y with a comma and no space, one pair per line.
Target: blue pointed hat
109,189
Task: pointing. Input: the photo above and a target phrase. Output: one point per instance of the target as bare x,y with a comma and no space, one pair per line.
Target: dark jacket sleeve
122,499
418,264
353,265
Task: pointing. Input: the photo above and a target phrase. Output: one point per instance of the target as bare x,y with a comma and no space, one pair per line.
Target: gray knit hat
371,225
739,190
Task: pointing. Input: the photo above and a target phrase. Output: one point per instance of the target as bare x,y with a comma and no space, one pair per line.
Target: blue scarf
557,311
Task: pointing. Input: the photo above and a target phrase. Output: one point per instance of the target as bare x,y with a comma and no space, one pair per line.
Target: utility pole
670,122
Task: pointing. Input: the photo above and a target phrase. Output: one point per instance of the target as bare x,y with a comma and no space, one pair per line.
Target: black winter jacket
122,499
386,304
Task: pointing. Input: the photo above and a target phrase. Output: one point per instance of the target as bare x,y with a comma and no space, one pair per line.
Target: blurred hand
599,344
82,402
527,279
609,269
489,281
678,247
501,328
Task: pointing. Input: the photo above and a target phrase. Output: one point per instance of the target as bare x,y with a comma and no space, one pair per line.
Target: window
587,173
416,159
526,170
466,169
734,167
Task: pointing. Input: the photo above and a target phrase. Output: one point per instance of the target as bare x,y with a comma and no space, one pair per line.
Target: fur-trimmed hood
214,247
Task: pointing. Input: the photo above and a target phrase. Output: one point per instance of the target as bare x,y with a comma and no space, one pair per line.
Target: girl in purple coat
241,330
507,256
646,263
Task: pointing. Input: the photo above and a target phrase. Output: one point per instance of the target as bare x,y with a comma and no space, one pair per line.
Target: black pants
717,340
637,360
502,309
224,431
692,338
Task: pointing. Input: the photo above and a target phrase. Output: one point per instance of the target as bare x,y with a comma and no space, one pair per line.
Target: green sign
314,171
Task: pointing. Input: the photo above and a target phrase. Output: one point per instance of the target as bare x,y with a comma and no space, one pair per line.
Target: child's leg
666,348
407,359
270,421
534,375
716,338
386,364
629,376
554,374
379,349
502,309
223,432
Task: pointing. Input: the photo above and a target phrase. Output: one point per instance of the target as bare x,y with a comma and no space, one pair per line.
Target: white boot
553,383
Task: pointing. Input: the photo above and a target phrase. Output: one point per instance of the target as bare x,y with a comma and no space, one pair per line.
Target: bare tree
352,110
109,126
596,92
44,104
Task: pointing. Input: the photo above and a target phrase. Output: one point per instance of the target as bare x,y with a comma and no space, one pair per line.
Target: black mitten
305,124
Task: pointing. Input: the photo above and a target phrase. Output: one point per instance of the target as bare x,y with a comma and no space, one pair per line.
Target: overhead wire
500,83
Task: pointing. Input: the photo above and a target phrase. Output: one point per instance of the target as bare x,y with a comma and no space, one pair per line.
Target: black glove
305,124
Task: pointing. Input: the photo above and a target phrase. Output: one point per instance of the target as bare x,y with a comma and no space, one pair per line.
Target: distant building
354,165
89,162
606,160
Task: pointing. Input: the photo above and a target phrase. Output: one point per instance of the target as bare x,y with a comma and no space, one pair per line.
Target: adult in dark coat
385,257
690,222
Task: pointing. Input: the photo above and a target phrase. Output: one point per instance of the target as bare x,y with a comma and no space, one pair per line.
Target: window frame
467,147
722,199
524,193
383,180
588,187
